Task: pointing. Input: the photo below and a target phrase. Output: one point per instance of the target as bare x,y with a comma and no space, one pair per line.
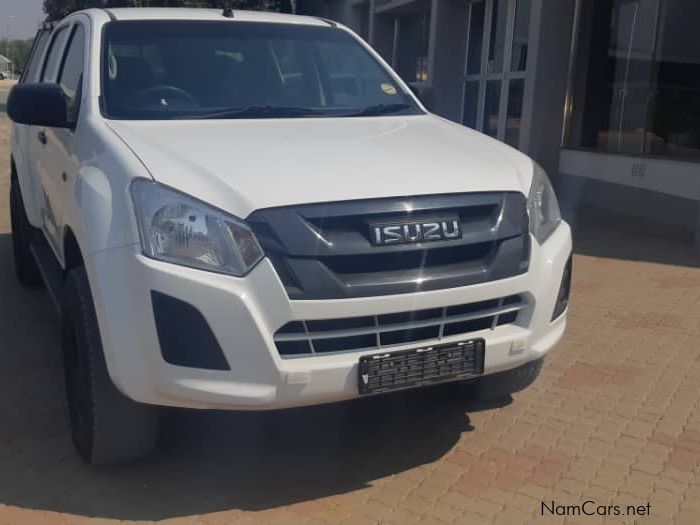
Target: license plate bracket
420,366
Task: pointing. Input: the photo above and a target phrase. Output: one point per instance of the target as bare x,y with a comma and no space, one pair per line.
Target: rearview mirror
38,105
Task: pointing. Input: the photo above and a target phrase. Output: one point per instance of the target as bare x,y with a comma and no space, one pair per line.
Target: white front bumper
245,313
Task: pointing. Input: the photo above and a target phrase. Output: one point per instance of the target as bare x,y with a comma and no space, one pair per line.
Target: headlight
179,229
542,206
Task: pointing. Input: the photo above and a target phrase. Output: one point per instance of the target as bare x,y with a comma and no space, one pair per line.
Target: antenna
228,10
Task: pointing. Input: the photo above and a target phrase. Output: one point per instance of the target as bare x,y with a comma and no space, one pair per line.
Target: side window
53,60
71,75
30,73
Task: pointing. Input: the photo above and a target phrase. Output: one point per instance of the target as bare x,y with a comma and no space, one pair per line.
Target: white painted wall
676,178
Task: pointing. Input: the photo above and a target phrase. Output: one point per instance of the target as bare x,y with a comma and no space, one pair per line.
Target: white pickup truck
286,225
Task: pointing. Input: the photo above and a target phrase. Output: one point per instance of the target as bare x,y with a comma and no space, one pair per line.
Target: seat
133,75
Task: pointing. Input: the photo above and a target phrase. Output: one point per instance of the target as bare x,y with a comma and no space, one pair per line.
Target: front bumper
244,313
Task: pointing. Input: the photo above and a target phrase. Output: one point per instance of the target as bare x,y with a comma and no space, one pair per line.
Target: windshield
155,70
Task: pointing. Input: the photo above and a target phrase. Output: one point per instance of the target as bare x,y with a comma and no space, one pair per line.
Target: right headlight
180,229
542,206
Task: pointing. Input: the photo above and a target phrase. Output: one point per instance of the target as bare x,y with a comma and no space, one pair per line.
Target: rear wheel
23,232
107,427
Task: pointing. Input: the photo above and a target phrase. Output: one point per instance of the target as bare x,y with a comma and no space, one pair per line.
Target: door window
71,76
53,60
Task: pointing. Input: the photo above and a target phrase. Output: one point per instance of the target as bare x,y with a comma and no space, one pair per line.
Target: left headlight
542,206
179,229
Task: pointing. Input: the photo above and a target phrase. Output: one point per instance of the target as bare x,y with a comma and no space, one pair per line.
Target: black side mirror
423,93
38,105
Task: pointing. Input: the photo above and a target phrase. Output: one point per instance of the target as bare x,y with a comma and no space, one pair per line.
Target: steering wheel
163,96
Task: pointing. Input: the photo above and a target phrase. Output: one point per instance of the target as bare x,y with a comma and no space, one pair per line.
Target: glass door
631,62
496,67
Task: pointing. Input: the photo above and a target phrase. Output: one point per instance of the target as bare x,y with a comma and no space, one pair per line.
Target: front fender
106,212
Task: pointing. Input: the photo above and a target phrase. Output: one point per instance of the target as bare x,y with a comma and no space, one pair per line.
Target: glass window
477,13
675,109
71,76
514,114
53,60
497,43
30,73
471,103
637,90
412,47
168,70
521,35
492,106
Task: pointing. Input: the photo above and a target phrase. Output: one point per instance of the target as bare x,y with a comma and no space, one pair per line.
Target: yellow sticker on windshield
389,89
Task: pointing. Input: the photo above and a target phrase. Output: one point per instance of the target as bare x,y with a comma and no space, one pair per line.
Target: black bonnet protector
330,250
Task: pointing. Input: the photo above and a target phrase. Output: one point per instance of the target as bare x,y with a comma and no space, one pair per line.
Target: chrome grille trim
375,328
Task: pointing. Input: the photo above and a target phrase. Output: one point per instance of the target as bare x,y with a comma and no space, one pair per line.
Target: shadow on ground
207,461
602,233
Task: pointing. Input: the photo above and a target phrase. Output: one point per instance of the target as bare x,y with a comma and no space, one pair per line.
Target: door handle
42,137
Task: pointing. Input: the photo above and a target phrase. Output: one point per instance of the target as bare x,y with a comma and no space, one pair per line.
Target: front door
57,167
496,68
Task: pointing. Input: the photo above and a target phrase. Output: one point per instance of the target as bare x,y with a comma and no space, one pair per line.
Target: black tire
503,384
107,427
26,268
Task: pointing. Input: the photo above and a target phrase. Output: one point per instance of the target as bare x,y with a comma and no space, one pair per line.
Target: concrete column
552,30
448,55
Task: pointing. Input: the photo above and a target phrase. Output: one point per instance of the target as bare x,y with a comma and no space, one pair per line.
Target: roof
184,13
5,60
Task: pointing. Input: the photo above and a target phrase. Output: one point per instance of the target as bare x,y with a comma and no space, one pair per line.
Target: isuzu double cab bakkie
252,211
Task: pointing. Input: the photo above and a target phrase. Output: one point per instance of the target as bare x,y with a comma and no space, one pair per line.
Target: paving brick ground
613,419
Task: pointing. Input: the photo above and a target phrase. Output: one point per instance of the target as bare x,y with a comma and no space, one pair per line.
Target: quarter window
37,54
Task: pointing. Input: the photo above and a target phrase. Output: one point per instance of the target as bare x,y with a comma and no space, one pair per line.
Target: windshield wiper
380,109
258,111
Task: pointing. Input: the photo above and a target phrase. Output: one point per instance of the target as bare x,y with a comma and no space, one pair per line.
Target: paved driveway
614,419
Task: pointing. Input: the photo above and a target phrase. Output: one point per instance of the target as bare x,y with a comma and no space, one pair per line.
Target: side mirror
423,92
38,105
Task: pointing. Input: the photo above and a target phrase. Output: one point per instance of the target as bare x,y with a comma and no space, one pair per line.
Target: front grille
375,332
324,251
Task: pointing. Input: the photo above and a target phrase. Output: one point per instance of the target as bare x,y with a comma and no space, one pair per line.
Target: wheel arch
72,253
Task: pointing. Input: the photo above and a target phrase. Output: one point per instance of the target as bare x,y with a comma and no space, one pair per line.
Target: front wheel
107,427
